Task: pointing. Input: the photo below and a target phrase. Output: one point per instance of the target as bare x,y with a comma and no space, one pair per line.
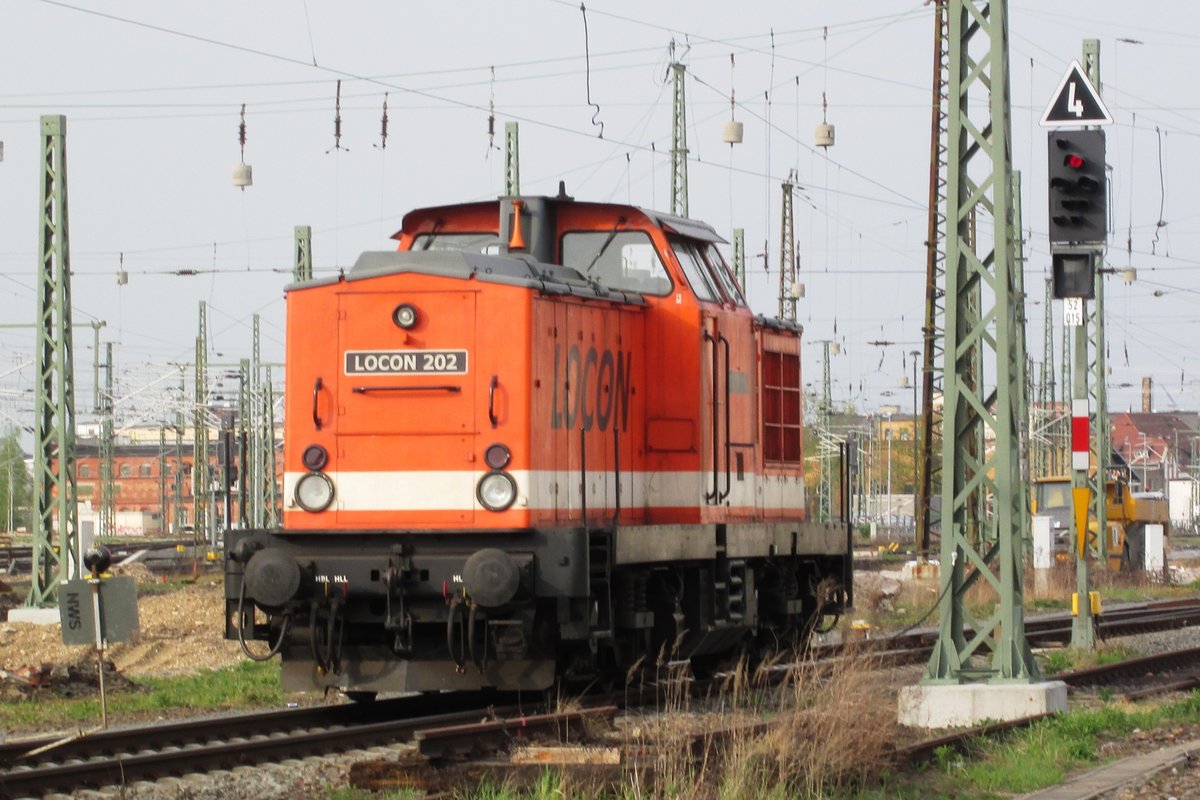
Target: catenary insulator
824,135
243,175
731,132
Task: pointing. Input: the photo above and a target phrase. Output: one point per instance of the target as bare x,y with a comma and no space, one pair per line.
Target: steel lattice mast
244,482
1047,396
929,467
739,257
302,268
108,484
679,148
200,477
271,513
54,481
254,425
787,255
1021,398
180,423
1100,442
826,442
982,327
162,475
512,160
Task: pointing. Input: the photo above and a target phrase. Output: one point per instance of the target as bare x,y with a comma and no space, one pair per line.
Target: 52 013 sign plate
406,362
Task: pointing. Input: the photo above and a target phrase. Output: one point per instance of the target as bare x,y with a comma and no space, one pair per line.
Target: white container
824,135
731,132
243,175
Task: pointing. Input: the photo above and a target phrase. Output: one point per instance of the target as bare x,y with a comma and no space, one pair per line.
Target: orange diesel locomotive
543,439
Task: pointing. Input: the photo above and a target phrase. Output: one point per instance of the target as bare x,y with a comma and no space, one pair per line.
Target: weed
1056,661
245,685
946,758
361,794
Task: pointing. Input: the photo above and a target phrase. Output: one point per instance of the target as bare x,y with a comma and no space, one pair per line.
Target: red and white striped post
1080,435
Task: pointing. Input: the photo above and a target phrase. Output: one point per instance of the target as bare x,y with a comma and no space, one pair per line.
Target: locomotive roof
684,226
512,270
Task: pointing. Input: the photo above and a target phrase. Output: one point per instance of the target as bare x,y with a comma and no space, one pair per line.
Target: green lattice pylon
679,148
984,363
55,492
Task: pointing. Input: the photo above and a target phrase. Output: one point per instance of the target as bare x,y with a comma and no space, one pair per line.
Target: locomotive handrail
728,429
617,471
715,494
441,388
492,399
583,473
316,393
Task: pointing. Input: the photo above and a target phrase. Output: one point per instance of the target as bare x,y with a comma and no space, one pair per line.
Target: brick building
144,483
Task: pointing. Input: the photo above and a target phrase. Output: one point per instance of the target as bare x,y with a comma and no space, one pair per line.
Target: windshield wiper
608,240
433,233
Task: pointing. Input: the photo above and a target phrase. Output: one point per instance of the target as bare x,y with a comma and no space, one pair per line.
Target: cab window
622,260
695,270
1054,494
465,242
721,270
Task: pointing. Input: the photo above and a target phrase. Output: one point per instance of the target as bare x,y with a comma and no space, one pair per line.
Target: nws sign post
98,610
117,606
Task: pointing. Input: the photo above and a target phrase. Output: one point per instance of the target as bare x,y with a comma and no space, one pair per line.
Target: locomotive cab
543,438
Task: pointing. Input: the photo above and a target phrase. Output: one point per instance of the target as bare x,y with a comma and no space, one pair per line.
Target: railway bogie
544,439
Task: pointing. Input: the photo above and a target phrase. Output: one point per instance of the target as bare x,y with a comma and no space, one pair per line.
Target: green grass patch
1039,756
1056,661
549,786
247,685
1143,591
360,794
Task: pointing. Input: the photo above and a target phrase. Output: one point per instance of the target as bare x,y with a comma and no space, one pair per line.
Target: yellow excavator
1128,514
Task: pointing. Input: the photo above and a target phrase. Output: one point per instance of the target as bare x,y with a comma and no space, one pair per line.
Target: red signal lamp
1075,161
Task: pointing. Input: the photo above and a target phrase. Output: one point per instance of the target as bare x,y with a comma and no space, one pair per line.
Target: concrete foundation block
964,705
36,616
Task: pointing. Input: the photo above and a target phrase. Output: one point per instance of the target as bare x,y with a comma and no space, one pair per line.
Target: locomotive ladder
600,568
729,584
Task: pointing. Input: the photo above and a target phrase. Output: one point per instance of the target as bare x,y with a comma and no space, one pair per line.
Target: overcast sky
152,93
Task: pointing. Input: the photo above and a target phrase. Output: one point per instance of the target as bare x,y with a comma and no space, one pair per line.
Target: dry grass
823,726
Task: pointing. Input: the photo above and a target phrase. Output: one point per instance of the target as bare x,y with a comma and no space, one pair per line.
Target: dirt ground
181,633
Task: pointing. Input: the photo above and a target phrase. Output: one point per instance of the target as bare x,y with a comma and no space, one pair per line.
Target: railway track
1051,629
36,766
19,560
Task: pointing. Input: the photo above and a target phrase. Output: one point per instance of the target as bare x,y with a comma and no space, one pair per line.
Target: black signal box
1078,206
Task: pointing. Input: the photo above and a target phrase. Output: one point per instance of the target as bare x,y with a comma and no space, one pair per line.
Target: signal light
1078,198
314,457
1073,274
497,456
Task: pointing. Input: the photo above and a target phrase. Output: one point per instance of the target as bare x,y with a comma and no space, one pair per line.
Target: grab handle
316,394
492,399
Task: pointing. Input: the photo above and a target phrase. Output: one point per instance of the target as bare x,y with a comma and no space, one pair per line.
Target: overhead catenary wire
587,60
627,155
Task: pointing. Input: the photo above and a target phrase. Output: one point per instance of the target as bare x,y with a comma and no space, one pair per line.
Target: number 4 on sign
1072,312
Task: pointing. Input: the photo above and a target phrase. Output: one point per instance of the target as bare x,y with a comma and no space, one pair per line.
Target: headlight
314,492
404,315
496,491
